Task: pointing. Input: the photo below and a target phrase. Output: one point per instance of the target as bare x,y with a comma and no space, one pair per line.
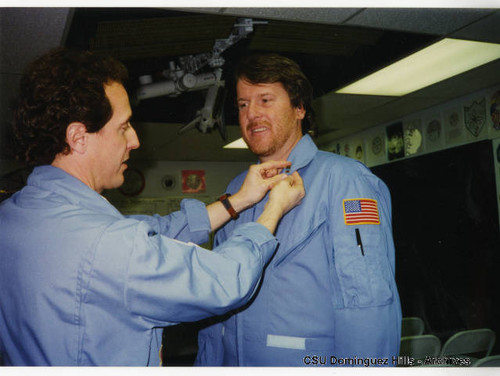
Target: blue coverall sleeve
222,234
189,224
166,281
368,312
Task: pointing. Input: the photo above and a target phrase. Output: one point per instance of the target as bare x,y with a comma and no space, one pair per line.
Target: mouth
259,130
256,129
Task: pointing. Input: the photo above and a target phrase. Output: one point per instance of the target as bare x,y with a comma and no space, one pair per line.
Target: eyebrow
260,95
126,121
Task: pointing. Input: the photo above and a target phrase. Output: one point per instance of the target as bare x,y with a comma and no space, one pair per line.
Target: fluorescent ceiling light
435,63
238,144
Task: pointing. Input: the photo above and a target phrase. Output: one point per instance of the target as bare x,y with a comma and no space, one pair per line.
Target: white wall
461,121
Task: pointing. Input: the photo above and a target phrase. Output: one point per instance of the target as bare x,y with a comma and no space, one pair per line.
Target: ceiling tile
428,21
316,15
486,29
27,33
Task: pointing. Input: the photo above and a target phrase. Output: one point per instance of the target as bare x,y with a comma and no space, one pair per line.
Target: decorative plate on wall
134,182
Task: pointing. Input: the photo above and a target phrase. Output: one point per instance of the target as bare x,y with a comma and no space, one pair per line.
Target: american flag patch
361,211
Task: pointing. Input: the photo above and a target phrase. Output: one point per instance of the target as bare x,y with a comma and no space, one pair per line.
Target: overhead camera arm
183,77
211,114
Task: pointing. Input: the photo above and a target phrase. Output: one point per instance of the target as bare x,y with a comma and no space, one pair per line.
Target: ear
301,112
77,137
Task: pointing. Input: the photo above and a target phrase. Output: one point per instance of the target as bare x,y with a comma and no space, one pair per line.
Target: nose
252,111
133,140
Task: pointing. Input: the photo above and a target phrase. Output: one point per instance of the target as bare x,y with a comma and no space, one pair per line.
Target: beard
273,140
262,149
264,146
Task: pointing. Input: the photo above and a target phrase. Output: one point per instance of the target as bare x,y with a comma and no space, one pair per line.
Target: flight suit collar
303,153
56,180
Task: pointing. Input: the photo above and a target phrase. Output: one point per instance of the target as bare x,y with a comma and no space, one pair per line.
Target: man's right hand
285,195
259,179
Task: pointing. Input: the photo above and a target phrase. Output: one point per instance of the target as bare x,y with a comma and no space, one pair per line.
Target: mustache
255,124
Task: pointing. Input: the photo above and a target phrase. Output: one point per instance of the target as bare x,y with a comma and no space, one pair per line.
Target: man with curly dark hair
63,87
81,283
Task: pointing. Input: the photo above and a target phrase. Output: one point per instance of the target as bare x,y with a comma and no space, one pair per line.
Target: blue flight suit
320,296
80,284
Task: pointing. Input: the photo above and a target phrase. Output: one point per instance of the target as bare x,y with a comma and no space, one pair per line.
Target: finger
276,179
297,179
290,180
263,171
298,184
274,175
270,173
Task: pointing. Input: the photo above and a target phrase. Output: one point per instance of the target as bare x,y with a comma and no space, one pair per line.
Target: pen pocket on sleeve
365,281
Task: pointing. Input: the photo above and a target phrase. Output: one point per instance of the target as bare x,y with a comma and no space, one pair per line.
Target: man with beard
330,289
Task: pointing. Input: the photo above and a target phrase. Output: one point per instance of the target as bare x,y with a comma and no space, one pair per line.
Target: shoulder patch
361,211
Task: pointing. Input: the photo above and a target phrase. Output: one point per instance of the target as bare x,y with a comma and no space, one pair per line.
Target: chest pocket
365,281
